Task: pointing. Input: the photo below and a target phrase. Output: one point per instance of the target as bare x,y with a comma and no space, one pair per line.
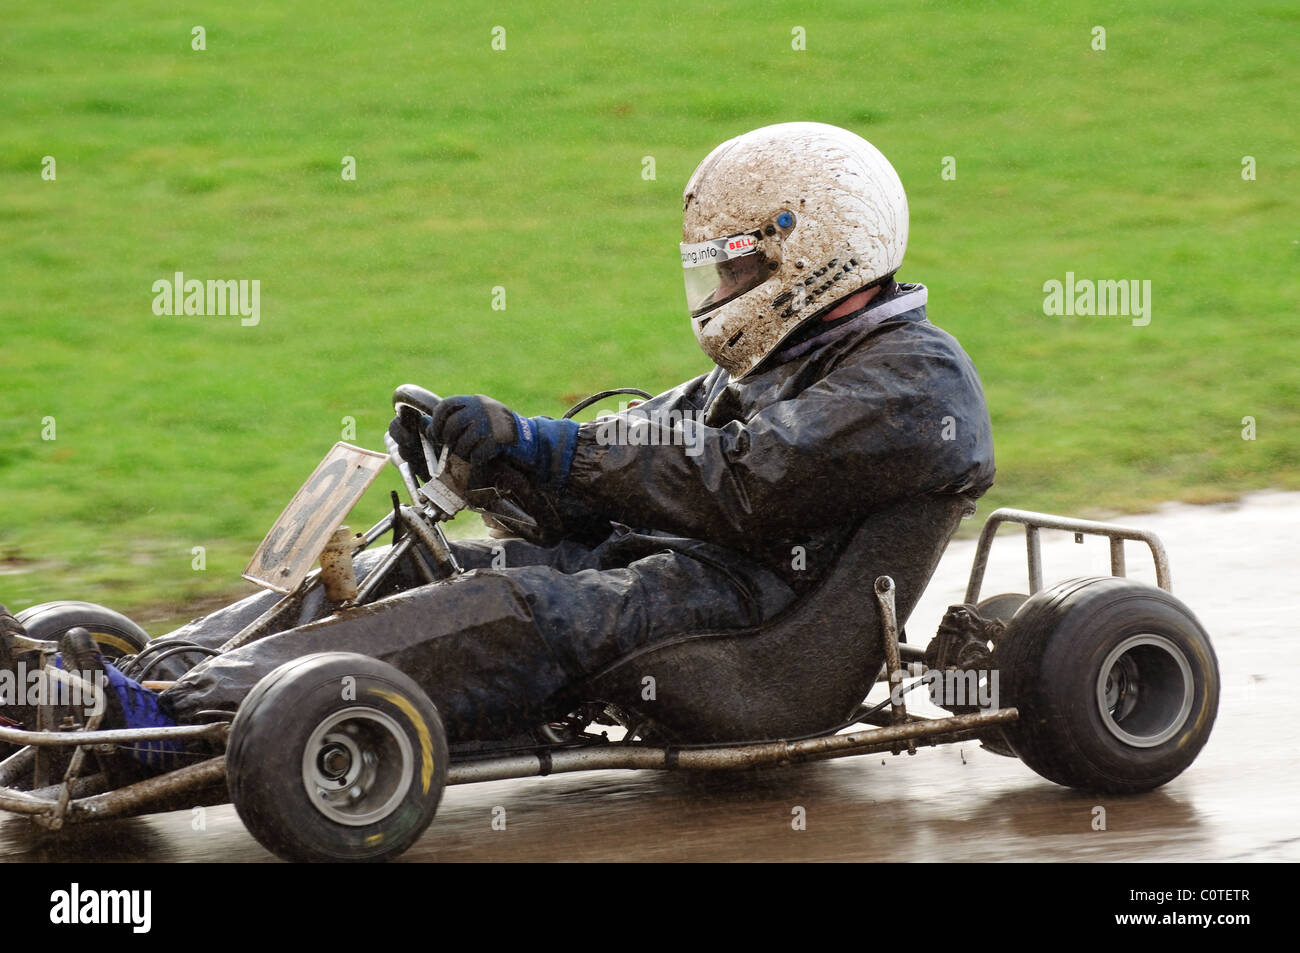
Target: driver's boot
127,703
79,653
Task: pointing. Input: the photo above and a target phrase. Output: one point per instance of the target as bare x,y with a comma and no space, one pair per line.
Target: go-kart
1101,683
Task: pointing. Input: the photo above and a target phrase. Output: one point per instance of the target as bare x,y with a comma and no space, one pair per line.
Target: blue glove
481,430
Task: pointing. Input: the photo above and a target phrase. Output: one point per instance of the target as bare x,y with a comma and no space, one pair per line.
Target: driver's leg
496,650
566,555
216,628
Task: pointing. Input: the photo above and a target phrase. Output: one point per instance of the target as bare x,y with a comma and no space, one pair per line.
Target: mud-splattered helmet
780,224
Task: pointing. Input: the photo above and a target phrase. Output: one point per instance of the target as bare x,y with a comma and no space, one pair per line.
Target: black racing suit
665,528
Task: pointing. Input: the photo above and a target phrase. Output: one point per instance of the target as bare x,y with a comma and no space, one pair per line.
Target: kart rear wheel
1002,607
1116,682
115,633
336,756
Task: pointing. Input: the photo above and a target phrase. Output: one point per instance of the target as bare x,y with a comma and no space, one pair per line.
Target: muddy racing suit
736,499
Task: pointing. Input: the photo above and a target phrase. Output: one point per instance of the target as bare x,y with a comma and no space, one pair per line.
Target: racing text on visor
721,269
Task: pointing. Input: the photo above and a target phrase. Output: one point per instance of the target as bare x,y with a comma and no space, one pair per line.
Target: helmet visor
721,269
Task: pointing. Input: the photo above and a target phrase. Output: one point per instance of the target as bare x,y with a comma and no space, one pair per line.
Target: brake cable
587,402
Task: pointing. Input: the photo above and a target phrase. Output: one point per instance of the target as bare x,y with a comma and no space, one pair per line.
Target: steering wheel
450,488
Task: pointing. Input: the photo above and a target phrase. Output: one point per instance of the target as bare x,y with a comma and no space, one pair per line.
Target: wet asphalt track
1234,564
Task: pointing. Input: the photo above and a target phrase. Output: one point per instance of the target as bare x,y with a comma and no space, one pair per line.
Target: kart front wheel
336,756
1116,683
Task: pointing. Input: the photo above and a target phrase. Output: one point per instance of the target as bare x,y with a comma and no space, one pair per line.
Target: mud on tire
1116,682
336,756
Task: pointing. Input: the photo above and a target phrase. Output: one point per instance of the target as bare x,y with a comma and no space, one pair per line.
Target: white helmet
778,225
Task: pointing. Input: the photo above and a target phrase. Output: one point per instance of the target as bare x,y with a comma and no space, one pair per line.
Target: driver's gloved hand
481,430
408,445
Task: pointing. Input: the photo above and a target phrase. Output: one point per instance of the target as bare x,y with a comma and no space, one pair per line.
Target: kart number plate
290,549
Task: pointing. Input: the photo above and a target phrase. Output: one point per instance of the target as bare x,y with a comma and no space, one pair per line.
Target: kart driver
832,397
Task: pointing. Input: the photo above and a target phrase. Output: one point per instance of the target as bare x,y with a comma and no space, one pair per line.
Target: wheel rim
111,645
357,766
1145,690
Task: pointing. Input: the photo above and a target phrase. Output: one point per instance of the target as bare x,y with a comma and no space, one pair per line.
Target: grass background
523,168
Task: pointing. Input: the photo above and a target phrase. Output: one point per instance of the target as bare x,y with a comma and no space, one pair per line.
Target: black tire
1002,607
115,633
1116,682
383,735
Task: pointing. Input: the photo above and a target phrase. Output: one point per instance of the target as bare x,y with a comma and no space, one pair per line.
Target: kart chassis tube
45,808
1033,522
732,757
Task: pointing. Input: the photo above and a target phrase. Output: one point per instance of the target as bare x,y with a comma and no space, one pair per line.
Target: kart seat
804,671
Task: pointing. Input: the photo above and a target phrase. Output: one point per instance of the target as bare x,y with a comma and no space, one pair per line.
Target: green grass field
522,168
